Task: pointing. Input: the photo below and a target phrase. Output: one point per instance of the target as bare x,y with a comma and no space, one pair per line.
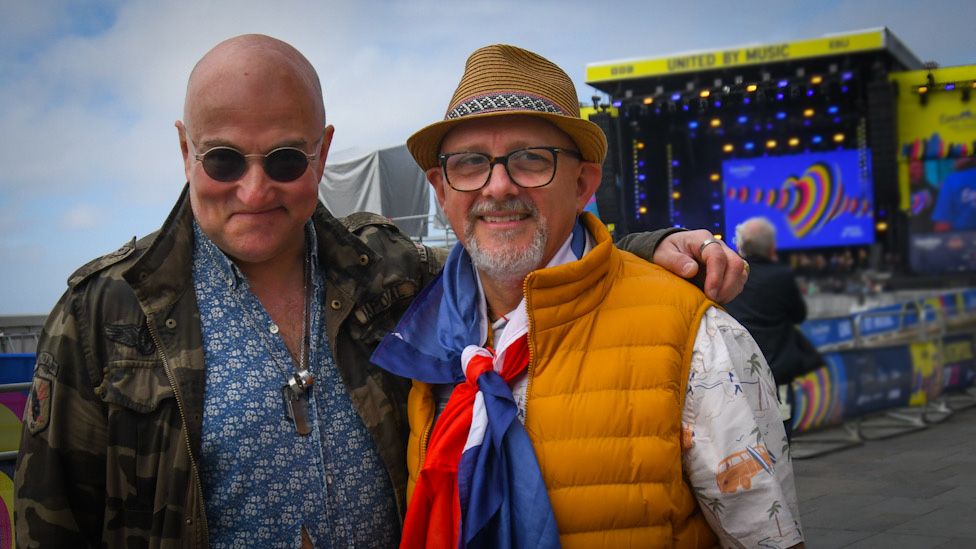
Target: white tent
386,181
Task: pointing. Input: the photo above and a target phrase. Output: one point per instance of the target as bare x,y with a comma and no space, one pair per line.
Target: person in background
770,307
567,393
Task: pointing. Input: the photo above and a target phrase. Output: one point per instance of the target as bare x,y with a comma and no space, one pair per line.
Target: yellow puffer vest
610,340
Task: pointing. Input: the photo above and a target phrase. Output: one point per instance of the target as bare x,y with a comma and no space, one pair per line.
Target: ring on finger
706,242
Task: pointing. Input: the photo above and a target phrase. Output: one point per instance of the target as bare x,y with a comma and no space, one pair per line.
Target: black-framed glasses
529,168
228,164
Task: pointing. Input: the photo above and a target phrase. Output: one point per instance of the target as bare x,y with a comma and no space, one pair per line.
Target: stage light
639,145
642,196
808,112
832,109
717,103
950,86
751,88
794,141
838,138
780,96
816,79
881,226
685,107
676,195
771,144
675,96
693,125
640,164
728,147
746,101
742,119
750,145
641,177
922,90
783,83
844,89
714,177
715,122
642,210
704,93
717,236
617,103
781,115
809,93
817,139
648,100
846,75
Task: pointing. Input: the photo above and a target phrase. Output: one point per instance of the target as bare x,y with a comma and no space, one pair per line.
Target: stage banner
959,361
882,379
836,44
927,373
819,396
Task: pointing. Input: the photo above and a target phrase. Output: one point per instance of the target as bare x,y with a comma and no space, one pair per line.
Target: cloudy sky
89,90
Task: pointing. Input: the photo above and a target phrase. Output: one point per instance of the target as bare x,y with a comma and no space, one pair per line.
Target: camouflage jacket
112,431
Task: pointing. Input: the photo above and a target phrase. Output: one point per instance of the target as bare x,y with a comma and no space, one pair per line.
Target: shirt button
364,259
273,328
336,304
170,323
329,479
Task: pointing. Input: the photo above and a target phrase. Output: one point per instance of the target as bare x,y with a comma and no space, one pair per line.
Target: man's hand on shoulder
725,272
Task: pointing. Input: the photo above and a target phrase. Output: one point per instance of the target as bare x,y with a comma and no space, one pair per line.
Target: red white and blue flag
480,483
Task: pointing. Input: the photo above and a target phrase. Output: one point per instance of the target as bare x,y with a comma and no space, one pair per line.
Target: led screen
815,200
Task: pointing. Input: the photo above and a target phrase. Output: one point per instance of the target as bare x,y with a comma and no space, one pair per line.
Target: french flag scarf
480,483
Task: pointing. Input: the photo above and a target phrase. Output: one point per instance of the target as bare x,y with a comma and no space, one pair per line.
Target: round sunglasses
227,164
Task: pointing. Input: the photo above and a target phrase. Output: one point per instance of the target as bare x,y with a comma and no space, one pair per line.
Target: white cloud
81,217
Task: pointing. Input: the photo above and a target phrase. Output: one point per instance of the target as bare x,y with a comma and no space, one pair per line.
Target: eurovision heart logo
812,199
808,202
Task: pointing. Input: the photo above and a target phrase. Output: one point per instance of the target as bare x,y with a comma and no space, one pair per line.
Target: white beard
504,263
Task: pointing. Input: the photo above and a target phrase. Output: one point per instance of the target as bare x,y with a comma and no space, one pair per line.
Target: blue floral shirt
261,480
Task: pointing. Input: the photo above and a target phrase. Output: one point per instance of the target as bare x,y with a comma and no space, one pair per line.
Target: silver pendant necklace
296,391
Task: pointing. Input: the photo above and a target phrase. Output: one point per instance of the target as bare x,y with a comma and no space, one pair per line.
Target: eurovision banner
937,166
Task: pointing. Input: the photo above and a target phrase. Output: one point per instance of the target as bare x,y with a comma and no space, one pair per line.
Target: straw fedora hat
504,80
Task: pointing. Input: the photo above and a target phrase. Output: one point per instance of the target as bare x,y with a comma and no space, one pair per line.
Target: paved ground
914,490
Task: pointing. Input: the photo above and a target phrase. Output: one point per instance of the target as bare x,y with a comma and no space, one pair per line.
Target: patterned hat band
503,102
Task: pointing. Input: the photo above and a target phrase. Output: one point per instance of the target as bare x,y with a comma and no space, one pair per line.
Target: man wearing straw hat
566,392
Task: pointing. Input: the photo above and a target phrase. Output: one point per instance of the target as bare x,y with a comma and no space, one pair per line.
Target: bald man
210,384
